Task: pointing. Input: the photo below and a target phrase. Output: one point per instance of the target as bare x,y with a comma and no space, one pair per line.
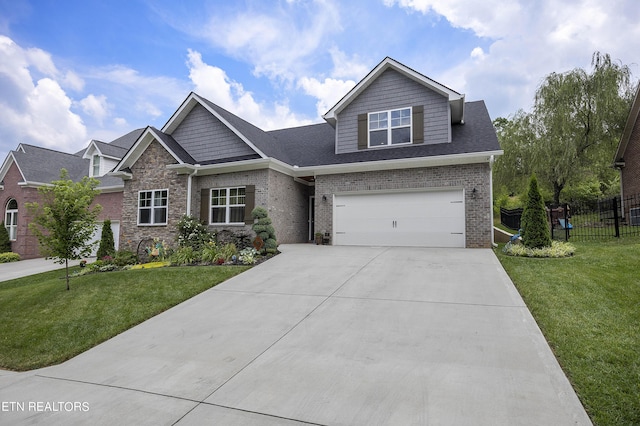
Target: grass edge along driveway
588,308
42,324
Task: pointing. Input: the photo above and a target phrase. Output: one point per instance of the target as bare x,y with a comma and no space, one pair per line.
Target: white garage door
415,219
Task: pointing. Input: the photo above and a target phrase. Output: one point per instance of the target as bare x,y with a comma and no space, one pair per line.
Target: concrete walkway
24,268
320,335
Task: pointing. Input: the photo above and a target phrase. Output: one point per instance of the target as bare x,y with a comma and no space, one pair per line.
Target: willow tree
64,221
578,118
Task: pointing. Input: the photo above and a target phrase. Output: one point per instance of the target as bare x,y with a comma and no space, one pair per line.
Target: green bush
125,257
193,233
9,257
263,228
185,256
107,245
210,252
557,249
5,242
535,229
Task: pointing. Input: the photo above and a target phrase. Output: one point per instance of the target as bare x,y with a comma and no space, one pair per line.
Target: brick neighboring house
29,167
627,158
401,160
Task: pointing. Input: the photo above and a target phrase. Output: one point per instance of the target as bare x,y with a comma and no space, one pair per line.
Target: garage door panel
434,219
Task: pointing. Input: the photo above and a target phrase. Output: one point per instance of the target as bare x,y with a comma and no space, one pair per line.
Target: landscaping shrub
185,256
535,229
193,233
210,252
557,249
125,257
9,257
248,255
263,228
5,242
107,245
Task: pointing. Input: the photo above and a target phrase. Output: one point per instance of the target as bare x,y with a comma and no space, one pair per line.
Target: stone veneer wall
467,176
631,170
150,173
285,200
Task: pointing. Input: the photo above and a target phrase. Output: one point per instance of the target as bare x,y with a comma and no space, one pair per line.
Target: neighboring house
29,167
401,160
627,158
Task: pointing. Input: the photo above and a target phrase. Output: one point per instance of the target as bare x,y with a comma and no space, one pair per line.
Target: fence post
566,222
616,219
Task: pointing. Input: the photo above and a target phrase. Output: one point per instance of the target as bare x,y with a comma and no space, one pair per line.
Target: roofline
6,164
329,169
177,118
634,112
133,154
456,100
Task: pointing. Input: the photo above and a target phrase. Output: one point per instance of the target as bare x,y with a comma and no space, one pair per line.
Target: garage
415,219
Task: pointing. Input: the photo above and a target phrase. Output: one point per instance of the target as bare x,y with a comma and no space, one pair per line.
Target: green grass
588,307
42,324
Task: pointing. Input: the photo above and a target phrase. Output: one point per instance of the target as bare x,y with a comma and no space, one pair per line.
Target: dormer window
95,166
391,127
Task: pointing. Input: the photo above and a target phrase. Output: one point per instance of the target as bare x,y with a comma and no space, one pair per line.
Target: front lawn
588,307
42,324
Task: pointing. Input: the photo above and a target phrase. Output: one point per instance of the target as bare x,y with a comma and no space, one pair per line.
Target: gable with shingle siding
389,91
206,138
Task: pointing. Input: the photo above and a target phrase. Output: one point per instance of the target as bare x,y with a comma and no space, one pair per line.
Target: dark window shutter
249,203
418,124
363,131
204,205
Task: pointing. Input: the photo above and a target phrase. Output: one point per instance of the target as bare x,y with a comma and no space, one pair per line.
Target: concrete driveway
320,335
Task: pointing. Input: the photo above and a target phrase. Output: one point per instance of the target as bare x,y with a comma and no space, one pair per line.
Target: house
400,160
627,158
29,167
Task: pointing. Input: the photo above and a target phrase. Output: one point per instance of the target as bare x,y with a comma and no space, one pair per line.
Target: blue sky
72,71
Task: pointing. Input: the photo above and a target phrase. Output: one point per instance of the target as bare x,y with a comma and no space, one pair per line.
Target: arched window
11,219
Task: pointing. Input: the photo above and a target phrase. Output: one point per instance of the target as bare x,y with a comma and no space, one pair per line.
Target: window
390,127
152,207
227,205
11,219
95,168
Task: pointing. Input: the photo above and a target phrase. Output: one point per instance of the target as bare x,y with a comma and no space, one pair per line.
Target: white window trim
93,164
227,206
10,227
390,128
153,196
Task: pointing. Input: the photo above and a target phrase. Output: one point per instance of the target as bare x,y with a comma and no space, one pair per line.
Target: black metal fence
615,217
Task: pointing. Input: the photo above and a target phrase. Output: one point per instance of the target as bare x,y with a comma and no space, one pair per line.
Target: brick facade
26,244
286,200
468,176
150,173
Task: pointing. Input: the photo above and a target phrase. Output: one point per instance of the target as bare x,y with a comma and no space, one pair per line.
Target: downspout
491,161
189,178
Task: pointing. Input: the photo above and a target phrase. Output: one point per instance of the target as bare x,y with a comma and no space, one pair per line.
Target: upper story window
95,166
153,207
11,219
391,127
227,206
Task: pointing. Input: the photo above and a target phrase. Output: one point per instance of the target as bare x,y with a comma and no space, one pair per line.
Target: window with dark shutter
418,124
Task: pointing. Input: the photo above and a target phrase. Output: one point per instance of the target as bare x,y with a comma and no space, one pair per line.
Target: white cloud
328,92
214,84
281,42
37,112
96,107
528,40
345,67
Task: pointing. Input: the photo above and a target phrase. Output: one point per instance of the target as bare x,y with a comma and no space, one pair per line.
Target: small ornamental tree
5,242
107,244
64,221
535,230
264,229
